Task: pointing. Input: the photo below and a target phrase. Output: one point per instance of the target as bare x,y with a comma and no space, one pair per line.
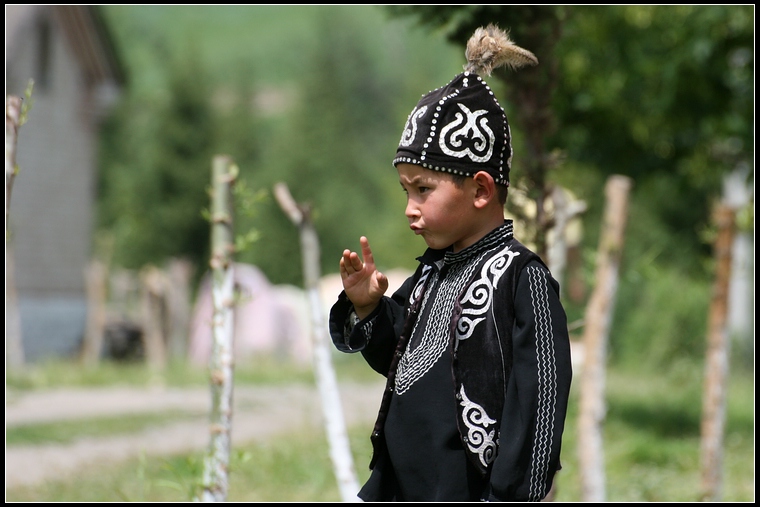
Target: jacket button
465,439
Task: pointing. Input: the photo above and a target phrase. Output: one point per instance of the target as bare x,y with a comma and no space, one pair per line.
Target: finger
349,262
382,281
356,262
366,251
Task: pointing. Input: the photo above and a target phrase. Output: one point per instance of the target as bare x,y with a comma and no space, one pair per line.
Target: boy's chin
435,244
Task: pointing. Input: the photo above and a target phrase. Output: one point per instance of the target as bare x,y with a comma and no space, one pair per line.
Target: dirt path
260,412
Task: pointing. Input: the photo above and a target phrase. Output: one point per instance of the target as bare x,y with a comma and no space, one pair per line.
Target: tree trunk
716,363
96,275
332,409
14,346
14,349
152,282
216,464
564,211
12,123
178,306
597,322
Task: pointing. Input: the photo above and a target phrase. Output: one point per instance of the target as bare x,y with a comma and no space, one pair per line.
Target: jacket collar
496,237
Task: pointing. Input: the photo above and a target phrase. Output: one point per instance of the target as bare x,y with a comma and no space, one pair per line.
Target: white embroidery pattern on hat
476,128
410,132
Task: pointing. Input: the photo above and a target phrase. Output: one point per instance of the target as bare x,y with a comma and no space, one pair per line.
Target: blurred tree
157,152
329,129
334,152
157,159
672,108
662,94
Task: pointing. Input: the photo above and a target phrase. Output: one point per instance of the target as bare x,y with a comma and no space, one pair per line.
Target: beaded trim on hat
488,48
500,179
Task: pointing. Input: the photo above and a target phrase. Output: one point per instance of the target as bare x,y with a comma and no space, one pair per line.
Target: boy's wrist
364,311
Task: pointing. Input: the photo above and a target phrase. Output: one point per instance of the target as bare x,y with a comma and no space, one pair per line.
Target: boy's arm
536,400
375,336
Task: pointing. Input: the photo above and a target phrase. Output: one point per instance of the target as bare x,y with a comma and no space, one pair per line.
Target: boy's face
437,209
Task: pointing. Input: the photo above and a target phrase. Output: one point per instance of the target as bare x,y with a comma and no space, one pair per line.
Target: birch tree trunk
14,349
716,363
597,323
332,409
13,121
216,464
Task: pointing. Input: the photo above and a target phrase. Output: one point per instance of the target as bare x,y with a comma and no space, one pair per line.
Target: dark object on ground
123,341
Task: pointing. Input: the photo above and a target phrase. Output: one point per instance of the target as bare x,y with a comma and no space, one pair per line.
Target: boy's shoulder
527,256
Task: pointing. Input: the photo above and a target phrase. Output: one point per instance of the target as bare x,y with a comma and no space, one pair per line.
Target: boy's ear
485,189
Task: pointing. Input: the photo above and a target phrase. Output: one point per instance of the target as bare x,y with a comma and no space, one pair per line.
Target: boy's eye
422,190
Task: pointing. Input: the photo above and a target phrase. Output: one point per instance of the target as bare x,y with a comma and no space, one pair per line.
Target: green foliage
330,156
27,103
663,295
157,157
288,115
315,97
662,94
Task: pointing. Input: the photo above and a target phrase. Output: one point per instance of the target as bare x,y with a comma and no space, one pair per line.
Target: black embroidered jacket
496,309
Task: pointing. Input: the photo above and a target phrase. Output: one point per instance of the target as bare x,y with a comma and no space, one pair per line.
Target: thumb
382,281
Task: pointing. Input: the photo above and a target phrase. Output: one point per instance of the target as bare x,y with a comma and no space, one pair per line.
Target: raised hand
363,283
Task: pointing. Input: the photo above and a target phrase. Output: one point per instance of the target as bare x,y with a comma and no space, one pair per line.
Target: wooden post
597,322
332,409
152,283
178,306
124,295
716,362
216,464
564,211
96,275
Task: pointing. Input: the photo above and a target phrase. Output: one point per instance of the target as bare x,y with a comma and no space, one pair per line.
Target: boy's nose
411,211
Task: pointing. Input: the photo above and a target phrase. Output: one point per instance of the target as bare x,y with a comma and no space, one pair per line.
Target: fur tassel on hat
490,48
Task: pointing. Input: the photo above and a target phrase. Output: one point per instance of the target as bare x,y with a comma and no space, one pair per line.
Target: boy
475,344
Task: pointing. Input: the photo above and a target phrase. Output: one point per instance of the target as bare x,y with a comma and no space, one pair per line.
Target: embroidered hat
461,128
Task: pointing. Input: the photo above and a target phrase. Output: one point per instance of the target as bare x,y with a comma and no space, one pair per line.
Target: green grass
64,432
652,438
651,450
262,369
294,468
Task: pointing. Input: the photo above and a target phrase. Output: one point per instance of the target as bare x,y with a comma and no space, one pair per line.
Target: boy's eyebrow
414,180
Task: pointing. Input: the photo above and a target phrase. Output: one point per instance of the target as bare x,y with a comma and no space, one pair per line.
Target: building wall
51,211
